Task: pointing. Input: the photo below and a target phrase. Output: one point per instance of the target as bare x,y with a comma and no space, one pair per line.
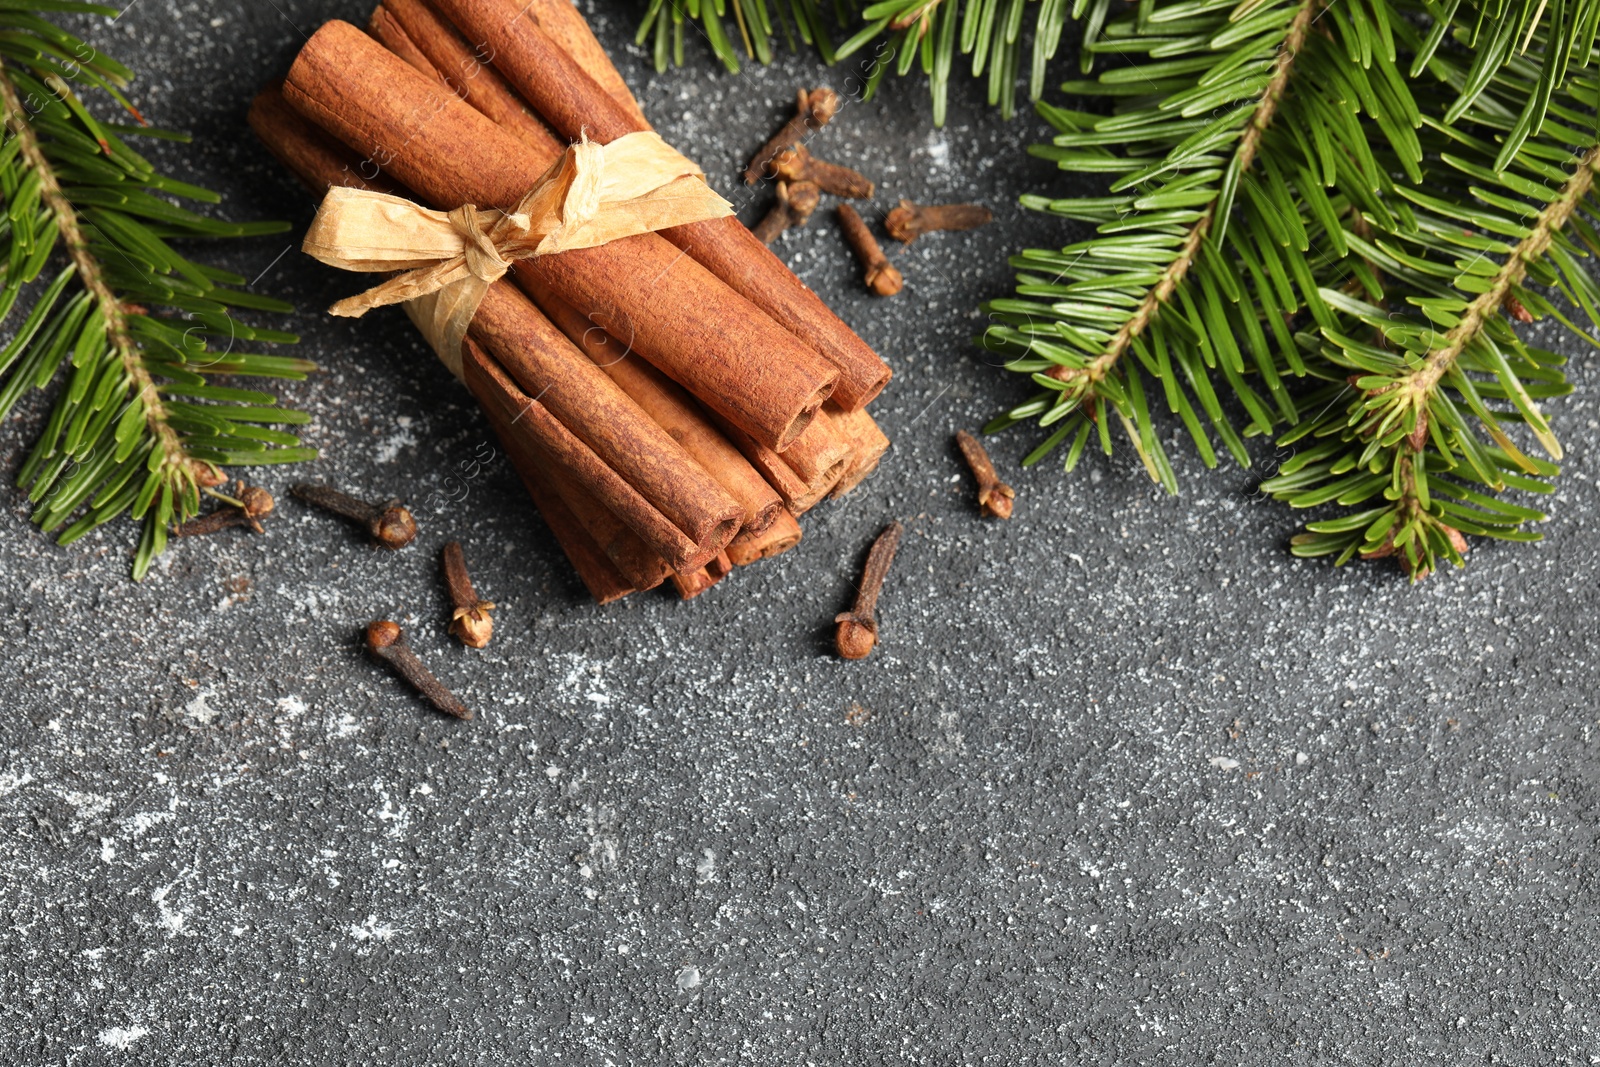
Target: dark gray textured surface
1125,784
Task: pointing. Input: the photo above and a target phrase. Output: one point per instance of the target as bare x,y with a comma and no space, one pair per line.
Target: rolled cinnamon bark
572,101
598,574
775,540
318,160
799,495
392,35
435,47
626,550
615,428
673,410
568,28
676,313
693,584
501,396
868,444
819,450
610,558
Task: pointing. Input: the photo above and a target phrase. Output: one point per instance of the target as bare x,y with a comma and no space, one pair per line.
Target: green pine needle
124,324
1324,222
901,35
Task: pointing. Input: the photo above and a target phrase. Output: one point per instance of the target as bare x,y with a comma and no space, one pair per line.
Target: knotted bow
591,195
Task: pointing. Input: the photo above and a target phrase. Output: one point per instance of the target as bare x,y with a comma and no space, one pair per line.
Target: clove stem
387,642
857,632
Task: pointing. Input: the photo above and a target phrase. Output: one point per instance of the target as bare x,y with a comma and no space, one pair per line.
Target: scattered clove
246,509
797,164
994,496
796,202
470,621
857,632
879,274
909,221
387,642
387,521
813,110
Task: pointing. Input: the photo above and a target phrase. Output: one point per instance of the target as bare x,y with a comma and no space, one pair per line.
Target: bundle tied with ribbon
592,195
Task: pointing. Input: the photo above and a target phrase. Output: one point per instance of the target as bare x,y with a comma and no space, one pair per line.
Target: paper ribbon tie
593,194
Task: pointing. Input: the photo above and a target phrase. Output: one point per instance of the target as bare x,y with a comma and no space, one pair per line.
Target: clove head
383,634
473,626
884,278
998,501
856,635
394,528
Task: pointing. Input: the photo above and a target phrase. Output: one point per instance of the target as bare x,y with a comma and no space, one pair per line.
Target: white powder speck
706,868
389,448
346,726
552,773
1223,763
1301,758
688,978
108,851
170,919
373,930
292,706
122,1038
199,711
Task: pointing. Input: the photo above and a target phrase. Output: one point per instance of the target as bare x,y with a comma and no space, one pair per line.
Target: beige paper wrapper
591,195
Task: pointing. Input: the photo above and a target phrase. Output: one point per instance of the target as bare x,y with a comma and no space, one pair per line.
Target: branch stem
112,313
1249,144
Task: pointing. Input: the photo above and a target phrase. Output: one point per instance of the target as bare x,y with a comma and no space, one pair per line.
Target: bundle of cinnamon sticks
674,401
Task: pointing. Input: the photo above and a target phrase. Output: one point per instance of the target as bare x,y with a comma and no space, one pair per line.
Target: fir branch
138,427
903,34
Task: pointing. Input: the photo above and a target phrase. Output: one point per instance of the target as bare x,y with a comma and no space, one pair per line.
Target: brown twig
994,496
910,220
813,110
387,521
796,202
470,620
797,164
387,642
857,633
879,274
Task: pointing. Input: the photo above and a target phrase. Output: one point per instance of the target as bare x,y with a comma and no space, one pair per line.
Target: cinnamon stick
569,98
598,574
775,540
436,48
799,495
868,444
693,584
816,453
615,428
676,313
625,550
610,558
673,410
569,29
506,400
318,160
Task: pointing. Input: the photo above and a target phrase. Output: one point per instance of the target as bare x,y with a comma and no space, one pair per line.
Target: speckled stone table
1124,784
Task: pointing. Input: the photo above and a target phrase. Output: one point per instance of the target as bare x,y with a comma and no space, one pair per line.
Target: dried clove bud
387,521
387,642
797,164
813,110
857,633
470,620
795,204
909,221
994,496
246,509
879,274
